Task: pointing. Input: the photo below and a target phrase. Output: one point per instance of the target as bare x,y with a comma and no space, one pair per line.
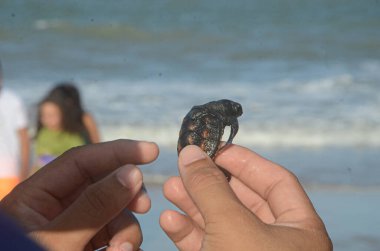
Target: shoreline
157,180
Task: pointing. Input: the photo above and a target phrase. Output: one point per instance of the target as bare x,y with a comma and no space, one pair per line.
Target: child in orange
14,140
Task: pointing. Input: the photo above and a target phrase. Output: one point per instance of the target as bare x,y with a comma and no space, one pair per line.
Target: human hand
264,207
84,199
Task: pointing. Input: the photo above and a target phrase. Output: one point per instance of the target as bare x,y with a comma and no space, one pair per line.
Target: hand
83,199
264,207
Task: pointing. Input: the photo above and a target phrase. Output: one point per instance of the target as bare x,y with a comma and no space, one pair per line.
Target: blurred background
307,74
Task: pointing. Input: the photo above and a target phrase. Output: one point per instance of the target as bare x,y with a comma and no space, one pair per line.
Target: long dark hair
67,97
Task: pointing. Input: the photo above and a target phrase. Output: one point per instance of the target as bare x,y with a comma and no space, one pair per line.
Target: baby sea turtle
204,126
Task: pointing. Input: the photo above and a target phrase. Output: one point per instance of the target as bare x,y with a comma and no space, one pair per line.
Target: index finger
84,164
275,184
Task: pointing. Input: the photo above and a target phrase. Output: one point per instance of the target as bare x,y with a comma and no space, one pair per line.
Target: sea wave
264,137
333,110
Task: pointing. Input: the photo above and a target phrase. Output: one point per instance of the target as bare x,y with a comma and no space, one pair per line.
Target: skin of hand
264,207
84,199
23,136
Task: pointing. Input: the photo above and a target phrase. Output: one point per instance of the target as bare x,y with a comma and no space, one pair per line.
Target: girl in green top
60,124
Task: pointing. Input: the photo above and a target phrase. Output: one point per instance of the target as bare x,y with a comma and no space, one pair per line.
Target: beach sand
345,211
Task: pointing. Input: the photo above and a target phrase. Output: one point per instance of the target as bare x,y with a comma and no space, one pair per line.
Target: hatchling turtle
204,126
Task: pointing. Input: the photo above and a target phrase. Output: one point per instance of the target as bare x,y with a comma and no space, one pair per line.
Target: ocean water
307,74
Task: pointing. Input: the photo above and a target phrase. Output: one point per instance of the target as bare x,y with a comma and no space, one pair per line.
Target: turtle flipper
234,130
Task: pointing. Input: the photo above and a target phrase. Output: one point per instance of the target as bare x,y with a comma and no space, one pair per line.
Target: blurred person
74,98
14,140
62,124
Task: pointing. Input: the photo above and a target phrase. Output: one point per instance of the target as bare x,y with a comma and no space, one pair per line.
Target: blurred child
62,124
14,140
71,93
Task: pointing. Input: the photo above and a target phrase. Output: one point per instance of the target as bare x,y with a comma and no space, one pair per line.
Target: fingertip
125,231
172,186
191,154
141,203
172,221
126,246
165,218
142,152
180,229
153,150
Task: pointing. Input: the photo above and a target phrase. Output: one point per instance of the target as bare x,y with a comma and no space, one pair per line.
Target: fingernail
128,176
126,246
191,154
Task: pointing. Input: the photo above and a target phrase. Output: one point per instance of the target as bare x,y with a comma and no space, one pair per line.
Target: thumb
206,184
98,204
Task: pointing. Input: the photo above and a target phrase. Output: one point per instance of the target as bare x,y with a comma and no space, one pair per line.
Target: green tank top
50,144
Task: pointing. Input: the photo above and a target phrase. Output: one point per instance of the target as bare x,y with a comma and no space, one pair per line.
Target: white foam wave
318,138
44,24
280,137
319,85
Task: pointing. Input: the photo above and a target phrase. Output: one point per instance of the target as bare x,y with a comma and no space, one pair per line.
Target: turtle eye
238,110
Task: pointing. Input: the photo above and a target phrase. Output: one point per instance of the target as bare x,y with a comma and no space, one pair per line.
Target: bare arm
24,152
90,124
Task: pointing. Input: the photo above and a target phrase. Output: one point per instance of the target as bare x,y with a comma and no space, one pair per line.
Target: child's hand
262,208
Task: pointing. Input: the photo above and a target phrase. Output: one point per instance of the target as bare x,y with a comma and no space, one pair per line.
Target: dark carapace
204,125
